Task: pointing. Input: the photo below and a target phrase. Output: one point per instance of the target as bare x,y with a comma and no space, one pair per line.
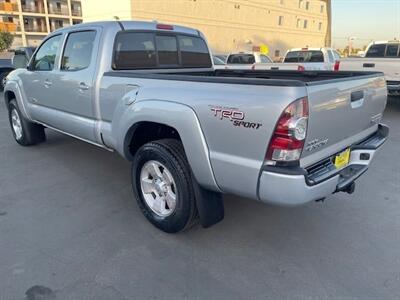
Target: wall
239,25
100,10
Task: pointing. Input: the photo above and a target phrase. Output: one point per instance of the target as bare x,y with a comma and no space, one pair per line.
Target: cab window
45,57
265,59
78,51
391,50
377,50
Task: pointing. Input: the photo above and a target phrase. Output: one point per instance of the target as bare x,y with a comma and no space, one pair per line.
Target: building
32,20
231,25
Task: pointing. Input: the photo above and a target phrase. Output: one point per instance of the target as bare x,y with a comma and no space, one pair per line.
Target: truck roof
137,25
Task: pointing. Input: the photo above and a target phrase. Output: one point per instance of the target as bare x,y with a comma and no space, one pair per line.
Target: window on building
391,50
320,26
277,53
305,24
46,55
280,20
300,3
282,2
78,51
298,23
167,49
322,9
377,50
307,5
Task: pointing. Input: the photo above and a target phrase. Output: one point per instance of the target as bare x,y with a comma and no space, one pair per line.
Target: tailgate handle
368,65
274,68
358,95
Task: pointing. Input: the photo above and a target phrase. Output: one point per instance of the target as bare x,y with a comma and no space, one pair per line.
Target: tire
25,132
169,158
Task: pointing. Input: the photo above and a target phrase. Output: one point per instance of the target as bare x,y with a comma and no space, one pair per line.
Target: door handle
83,86
48,83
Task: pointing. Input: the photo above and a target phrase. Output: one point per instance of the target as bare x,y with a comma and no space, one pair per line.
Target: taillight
253,67
287,141
336,66
300,68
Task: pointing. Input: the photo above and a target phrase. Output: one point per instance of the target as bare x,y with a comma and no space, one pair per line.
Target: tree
6,39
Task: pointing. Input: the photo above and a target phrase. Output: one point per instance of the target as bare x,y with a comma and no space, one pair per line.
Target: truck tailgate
342,113
390,66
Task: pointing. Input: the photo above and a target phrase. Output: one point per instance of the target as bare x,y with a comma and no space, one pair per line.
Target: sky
364,20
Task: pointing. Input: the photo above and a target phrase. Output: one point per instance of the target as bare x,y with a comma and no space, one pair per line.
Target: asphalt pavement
70,229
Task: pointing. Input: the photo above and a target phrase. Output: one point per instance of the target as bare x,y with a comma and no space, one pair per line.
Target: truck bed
252,77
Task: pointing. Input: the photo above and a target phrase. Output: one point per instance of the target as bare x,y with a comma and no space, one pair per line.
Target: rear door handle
47,83
83,86
369,65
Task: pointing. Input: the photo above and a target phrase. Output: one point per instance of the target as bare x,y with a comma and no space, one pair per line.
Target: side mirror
20,59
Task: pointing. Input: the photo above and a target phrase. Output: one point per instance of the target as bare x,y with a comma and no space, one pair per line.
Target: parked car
23,54
149,92
383,56
314,58
255,61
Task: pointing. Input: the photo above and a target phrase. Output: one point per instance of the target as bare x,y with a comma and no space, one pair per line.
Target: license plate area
342,159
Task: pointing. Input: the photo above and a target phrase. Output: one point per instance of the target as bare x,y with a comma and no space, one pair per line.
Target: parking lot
68,222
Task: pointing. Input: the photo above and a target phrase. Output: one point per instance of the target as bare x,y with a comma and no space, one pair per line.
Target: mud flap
209,205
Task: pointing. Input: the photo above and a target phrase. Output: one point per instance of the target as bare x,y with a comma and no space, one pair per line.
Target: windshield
304,56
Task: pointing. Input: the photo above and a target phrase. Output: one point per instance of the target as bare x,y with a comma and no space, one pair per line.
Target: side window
78,51
265,60
194,52
377,50
134,50
336,55
46,55
391,50
330,55
167,50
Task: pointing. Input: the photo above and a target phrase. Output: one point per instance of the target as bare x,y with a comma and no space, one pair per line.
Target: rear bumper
295,185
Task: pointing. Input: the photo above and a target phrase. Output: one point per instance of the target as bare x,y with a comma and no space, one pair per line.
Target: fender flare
176,115
13,86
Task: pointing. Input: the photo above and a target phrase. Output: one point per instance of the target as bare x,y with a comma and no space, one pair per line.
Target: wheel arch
151,120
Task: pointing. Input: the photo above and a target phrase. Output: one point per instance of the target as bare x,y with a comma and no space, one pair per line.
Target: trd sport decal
234,115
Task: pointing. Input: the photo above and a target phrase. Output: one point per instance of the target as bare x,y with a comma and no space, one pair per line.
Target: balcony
58,11
33,9
9,27
6,6
35,24
76,12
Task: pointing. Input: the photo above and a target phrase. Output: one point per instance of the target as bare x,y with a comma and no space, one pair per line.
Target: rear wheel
25,132
162,184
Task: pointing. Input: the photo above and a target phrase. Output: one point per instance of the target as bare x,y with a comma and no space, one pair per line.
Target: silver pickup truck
149,91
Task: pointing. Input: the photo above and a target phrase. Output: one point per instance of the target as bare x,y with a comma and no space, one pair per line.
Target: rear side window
392,50
149,50
78,51
241,59
377,50
304,56
330,55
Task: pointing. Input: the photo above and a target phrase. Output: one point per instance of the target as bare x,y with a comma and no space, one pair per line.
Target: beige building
31,20
231,25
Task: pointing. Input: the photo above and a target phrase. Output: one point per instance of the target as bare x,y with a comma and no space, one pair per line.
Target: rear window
149,50
241,59
392,50
304,56
377,50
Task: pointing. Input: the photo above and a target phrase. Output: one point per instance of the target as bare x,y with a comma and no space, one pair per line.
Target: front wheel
25,132
162,184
